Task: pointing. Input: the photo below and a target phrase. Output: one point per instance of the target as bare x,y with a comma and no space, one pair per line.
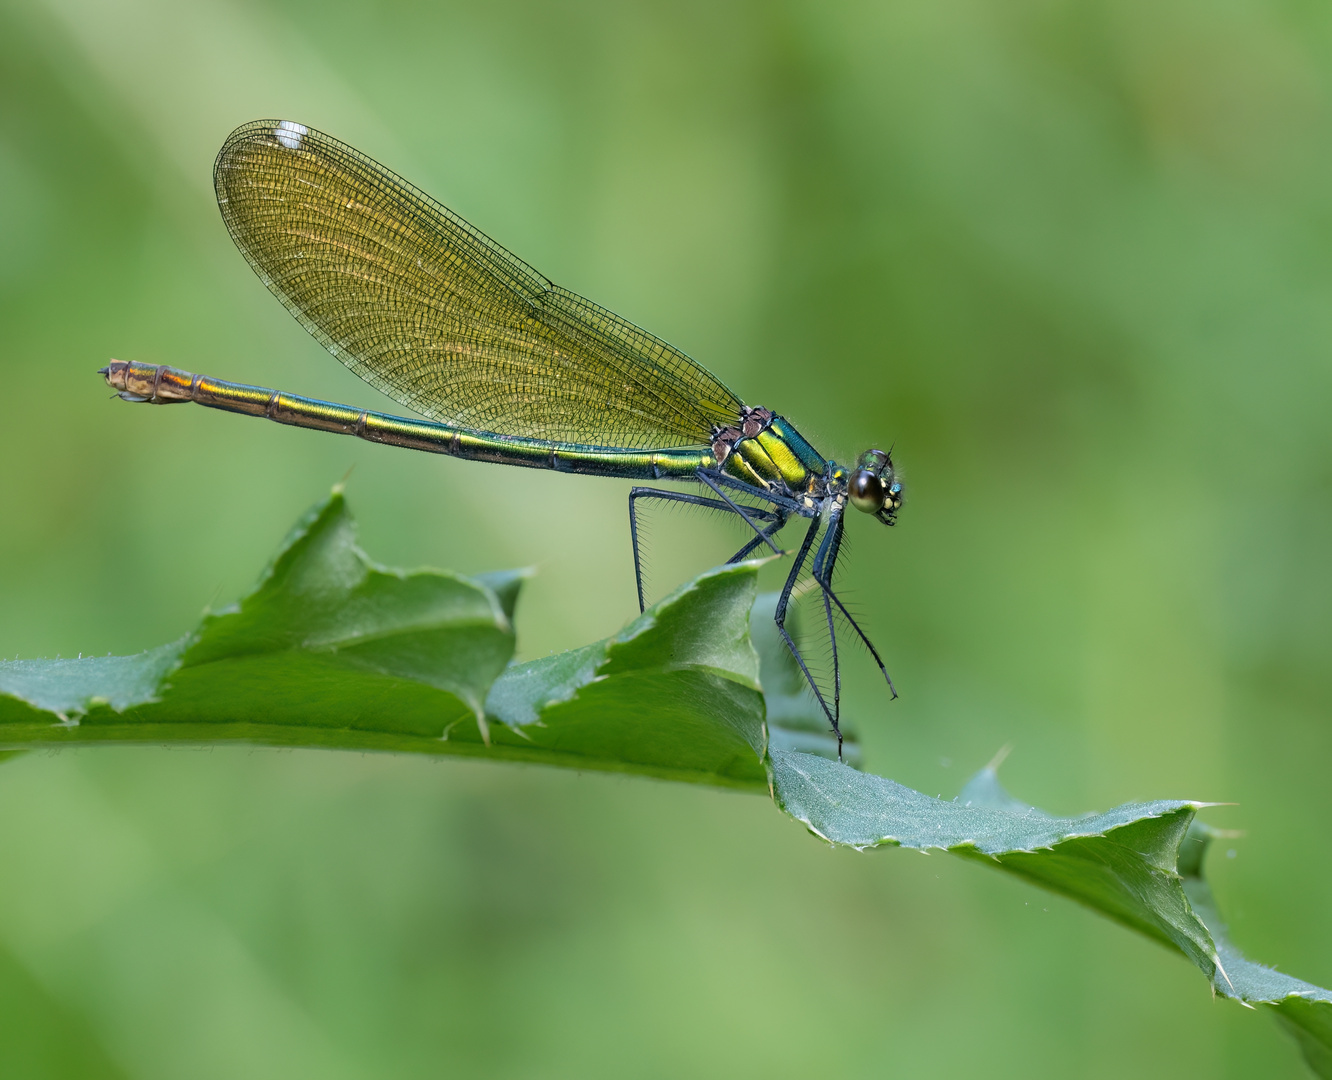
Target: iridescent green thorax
766,451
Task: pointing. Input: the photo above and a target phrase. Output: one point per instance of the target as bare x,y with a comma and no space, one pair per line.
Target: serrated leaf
1304,1010
323,601
331,649
1139,864
676,693
69,688
1121,863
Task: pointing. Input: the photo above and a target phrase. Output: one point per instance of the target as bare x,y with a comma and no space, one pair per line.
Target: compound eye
866,491
873,460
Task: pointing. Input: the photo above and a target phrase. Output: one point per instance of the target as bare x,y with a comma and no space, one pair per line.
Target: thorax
765,451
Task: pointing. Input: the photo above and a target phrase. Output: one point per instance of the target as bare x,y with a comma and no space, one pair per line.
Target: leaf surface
331,649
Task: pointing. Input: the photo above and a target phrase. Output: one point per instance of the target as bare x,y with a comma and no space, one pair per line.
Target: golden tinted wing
440,317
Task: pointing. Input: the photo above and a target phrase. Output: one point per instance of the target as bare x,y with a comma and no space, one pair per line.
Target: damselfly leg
777,519
823,574
766,523
779,617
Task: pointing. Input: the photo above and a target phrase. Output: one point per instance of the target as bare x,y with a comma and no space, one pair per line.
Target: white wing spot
289,134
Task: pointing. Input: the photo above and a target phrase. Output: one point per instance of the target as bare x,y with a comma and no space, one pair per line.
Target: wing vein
440,317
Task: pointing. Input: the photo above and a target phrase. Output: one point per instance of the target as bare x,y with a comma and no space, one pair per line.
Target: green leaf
676,693
326,609
1139,864
1304,1010
70,688
1121,863
329,649
333,650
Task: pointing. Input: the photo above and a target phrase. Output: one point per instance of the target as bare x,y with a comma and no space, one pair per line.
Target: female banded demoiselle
507,366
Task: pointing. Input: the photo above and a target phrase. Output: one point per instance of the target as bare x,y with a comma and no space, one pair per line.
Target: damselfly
507,366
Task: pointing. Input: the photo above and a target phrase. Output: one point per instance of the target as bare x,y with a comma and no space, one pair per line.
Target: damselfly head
874,487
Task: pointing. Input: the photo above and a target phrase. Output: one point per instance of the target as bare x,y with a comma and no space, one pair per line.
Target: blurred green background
1073,259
